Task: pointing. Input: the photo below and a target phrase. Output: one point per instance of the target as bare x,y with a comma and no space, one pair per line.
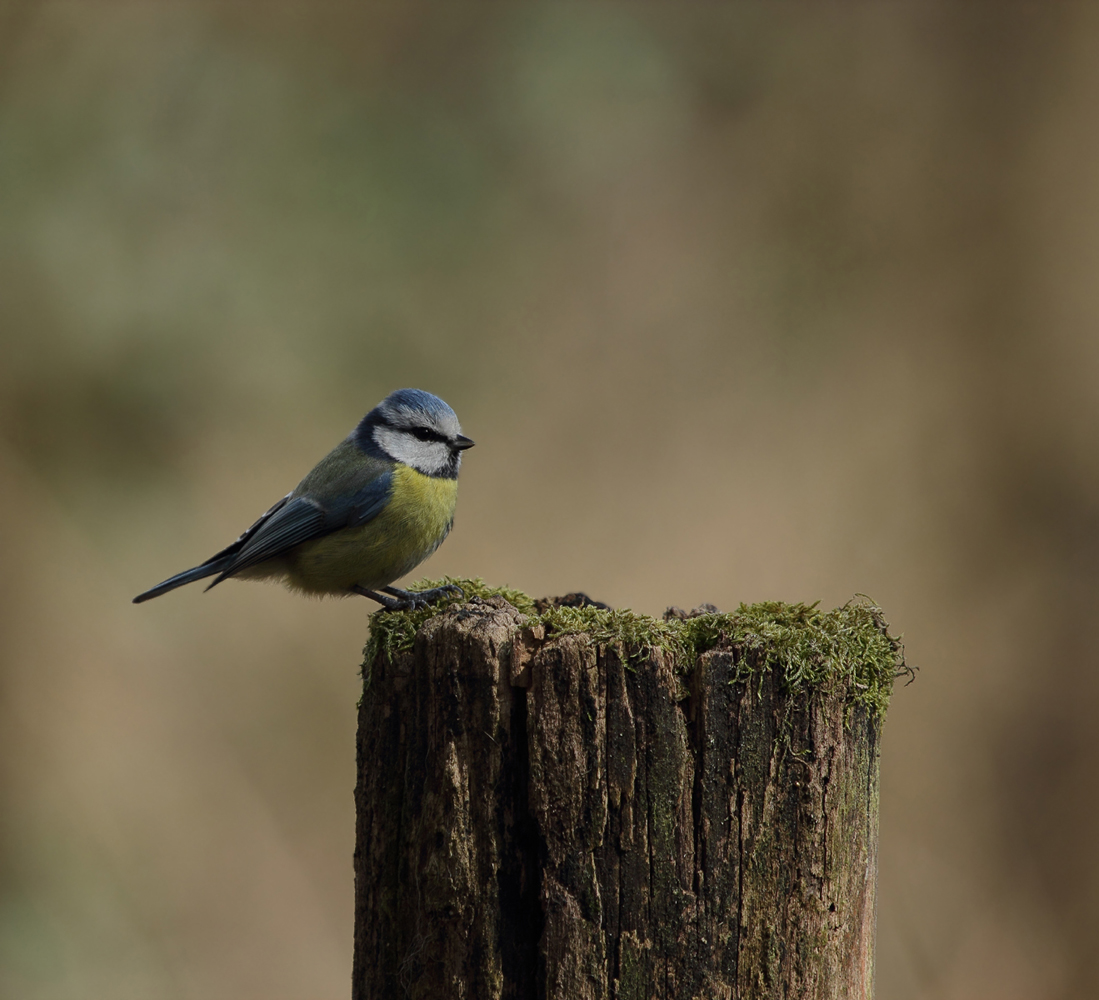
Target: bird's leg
405,600
389,603
421,598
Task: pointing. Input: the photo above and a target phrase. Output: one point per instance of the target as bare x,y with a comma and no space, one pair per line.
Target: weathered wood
546,816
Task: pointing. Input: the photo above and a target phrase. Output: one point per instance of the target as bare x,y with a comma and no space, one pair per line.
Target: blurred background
739,302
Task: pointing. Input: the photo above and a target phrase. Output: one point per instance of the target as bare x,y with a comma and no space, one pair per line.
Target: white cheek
425,456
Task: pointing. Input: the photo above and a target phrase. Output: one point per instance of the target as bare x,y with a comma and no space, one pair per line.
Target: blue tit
374,508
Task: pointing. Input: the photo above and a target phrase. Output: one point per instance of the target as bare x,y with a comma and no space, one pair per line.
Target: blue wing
293,520
304,518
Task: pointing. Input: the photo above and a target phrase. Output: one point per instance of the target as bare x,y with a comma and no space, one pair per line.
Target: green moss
632,630
810,647
393,632
806,646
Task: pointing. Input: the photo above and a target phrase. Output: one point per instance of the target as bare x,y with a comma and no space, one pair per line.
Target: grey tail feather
187,576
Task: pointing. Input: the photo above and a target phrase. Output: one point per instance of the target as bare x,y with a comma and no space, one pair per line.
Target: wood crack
591,833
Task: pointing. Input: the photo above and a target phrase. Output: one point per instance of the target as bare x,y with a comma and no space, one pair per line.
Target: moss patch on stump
801,645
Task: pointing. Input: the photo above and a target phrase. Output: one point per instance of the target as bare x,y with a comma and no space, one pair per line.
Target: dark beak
461,442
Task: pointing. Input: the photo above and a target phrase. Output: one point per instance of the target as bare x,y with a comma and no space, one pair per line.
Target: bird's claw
422,598
409,600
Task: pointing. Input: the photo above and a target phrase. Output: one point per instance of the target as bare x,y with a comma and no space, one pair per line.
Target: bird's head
416,428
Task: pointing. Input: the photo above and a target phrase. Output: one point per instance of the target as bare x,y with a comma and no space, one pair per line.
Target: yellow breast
412,526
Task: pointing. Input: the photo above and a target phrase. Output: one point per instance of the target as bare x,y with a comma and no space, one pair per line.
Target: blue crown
415,399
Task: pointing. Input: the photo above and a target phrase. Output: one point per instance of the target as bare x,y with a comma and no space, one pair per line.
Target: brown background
739,302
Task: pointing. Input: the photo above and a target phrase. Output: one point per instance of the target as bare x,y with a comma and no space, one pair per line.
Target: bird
369,512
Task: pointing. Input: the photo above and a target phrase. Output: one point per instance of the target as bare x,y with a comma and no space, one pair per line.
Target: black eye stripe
426,434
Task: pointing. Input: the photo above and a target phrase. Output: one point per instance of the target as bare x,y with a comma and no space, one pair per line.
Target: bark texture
544,817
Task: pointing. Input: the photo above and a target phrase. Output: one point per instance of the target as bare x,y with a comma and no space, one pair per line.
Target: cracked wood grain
541,817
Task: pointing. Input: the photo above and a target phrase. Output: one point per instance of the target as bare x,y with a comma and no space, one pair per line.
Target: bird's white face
430,443
425,455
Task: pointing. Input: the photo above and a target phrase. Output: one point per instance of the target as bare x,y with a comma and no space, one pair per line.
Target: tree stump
594,804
